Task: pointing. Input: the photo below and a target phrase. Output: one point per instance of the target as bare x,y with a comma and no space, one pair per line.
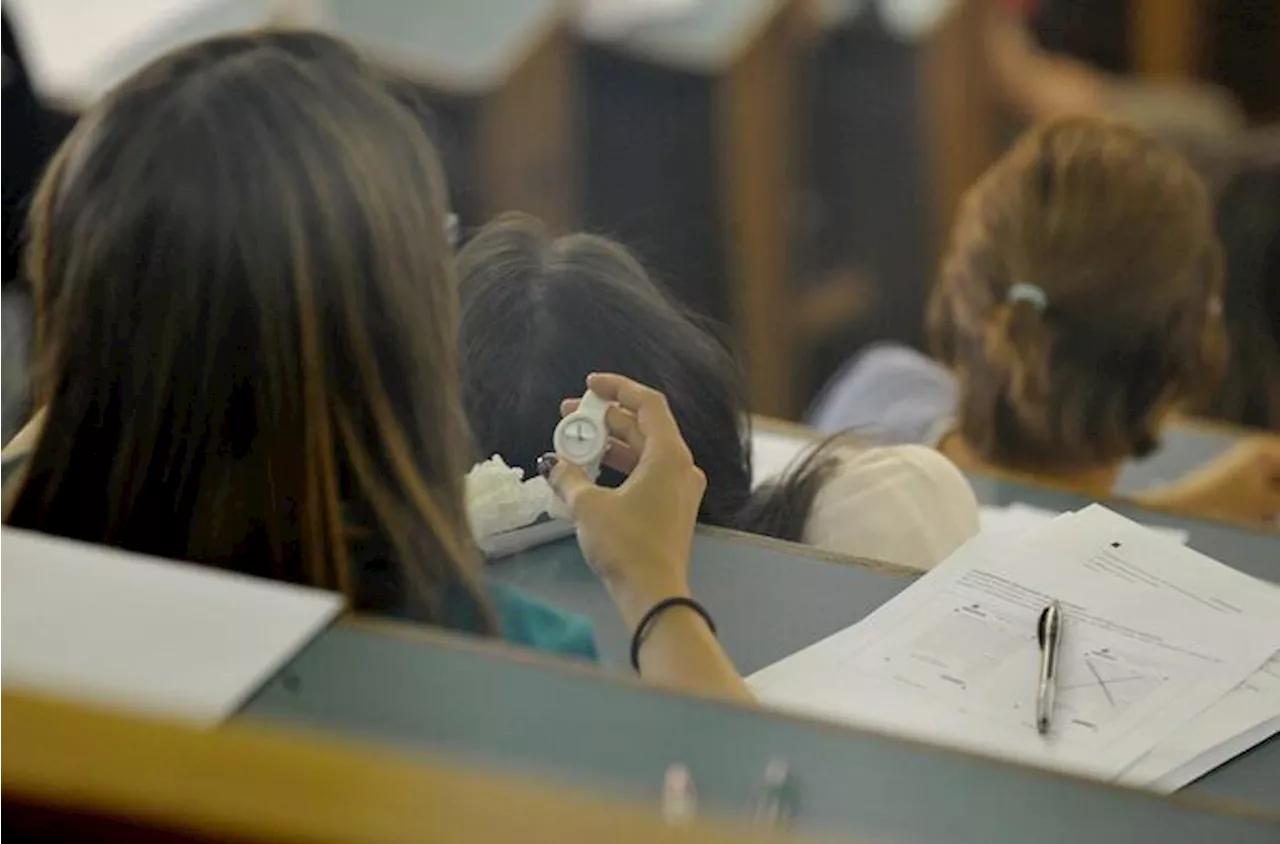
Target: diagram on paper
984,659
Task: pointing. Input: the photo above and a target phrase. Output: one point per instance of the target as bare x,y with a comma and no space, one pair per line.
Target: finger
625,427
663,448
621,457
569,406
648,405
569,482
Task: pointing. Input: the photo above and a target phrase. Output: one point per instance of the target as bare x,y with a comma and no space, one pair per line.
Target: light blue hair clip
1023,292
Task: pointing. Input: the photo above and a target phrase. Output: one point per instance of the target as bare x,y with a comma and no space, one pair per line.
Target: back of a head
246,323
540,314
1080,297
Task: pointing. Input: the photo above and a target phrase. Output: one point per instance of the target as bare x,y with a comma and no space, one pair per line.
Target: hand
1243,484
639,535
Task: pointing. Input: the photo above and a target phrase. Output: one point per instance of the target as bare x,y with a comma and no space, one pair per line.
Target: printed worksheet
1249,713
954,659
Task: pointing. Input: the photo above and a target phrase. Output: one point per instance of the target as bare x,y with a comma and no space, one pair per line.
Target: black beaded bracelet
647,621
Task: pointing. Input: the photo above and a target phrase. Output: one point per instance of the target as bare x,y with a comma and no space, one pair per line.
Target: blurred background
790,167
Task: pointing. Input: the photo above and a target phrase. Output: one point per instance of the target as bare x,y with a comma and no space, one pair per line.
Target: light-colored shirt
904,504
889,394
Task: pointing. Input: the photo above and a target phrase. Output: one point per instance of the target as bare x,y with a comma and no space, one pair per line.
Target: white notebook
98,624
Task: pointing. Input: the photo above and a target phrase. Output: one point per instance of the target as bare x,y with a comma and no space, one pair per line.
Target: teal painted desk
558,721
1183,447
770,599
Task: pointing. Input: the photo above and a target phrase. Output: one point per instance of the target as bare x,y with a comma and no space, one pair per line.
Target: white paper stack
93,623
1016,518
1170,661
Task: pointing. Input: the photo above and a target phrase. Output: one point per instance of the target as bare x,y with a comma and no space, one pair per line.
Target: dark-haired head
539,314
246,325
1112,234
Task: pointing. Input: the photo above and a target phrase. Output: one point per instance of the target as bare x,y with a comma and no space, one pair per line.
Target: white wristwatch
582,437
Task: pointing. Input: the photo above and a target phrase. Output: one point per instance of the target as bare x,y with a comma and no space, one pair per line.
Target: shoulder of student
889,393
904,504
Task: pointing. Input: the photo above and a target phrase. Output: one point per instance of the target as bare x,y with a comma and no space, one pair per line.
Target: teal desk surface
770,599
491,707
1183,446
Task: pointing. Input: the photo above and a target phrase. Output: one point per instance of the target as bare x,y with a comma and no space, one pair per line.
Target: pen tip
1042,726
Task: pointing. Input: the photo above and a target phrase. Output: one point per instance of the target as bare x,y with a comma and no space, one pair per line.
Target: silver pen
1049,635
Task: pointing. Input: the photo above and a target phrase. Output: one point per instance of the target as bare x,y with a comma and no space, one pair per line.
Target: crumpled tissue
499,498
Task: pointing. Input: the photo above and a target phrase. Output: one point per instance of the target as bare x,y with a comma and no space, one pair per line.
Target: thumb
568,480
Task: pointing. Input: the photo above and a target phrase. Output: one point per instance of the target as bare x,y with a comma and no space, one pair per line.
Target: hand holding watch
582,437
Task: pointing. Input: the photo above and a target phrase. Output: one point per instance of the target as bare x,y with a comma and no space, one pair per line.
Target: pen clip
1042,628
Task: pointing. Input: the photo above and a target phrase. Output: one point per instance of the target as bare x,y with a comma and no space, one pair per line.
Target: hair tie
1023,292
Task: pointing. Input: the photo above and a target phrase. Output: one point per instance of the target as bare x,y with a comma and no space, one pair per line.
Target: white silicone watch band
593,405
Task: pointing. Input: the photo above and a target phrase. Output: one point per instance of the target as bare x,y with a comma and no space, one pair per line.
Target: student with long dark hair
247,358
539,313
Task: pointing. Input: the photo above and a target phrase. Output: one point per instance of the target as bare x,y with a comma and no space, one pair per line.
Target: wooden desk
78,51
896,124
567,723
1165,38
72,773
773,598
497,75
688,127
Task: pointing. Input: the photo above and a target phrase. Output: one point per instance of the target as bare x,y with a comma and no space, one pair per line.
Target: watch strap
593,405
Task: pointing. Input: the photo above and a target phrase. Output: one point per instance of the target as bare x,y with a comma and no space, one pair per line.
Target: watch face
579,438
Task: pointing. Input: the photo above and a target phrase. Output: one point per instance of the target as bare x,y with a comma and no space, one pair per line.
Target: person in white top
540,314
904,504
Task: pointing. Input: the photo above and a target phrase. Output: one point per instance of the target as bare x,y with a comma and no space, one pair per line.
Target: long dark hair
539,314
246,327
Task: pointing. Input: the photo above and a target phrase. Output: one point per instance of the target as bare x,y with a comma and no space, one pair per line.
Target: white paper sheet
1246,715
953,658
88,622
1017,518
